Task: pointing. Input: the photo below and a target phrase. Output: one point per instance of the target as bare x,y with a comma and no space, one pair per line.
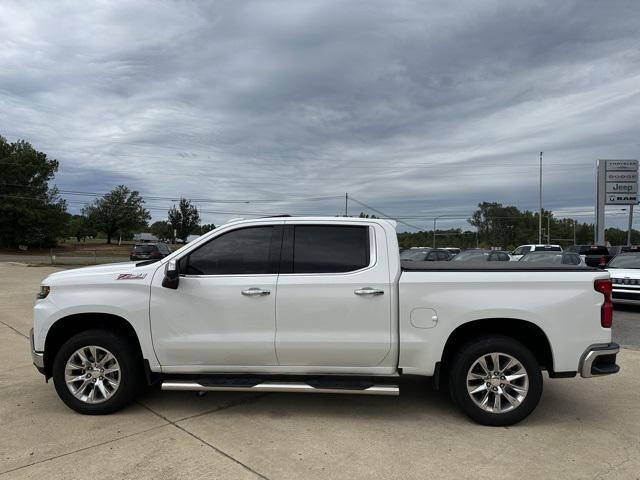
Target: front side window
239,252
330,249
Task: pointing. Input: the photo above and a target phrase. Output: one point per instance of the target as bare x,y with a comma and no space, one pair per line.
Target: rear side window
239,252
443,256
330,249
144,248
547,248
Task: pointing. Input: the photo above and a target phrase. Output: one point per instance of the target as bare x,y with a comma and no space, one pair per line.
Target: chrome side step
292,387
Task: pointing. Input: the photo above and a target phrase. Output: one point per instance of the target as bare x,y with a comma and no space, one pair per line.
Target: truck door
333,307
223,311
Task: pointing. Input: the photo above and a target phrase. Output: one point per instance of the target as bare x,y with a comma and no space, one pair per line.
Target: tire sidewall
474,350
129,371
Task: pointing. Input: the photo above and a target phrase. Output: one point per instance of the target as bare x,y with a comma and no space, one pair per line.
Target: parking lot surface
583,428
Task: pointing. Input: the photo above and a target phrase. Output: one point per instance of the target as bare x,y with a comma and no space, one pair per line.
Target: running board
292,387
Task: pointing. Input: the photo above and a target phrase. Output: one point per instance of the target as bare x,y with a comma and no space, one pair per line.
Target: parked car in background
594,255
425,255
453,250
149,251
624,270
553,258
481,255
522,250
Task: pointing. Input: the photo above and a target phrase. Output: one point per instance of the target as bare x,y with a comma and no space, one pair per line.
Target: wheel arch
526,332
66,327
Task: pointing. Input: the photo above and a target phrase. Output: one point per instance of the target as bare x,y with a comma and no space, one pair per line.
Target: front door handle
368,291
253,292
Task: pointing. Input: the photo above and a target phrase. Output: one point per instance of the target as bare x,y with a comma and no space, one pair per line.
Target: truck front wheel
97,372
495,380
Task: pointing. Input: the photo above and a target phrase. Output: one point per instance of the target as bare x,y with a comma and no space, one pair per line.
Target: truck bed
490,267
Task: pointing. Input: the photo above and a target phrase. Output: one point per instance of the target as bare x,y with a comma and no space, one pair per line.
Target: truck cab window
330,249
239,252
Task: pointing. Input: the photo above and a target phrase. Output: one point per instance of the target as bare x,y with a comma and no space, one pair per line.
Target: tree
184,219
162,230
80,228
119,211
207,227
31,212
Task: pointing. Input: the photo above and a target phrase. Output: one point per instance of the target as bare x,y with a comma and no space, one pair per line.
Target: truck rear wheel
495,380
97,372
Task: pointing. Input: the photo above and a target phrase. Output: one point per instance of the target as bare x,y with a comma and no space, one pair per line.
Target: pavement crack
213,447
82,449
15,330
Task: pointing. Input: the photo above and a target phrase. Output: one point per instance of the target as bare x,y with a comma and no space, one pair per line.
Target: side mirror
171,275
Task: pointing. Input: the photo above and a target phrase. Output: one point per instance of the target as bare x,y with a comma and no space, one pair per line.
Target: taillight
606,312
155,254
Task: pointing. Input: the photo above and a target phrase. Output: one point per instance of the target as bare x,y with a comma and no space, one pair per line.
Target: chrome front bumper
599,360
36,357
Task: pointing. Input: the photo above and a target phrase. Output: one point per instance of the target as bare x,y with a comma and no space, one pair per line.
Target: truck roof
387,221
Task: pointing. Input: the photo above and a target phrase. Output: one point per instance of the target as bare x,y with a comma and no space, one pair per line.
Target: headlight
44,291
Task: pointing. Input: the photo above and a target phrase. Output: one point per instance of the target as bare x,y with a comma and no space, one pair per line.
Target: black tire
130,376
467,356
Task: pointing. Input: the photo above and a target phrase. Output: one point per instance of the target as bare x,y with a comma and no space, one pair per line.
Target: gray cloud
416,108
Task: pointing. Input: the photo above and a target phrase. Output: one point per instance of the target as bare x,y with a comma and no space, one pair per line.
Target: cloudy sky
416,108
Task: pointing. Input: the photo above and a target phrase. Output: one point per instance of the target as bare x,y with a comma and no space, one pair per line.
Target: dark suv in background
149,251
593,255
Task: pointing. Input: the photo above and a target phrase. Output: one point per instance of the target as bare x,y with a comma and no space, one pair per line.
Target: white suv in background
522,250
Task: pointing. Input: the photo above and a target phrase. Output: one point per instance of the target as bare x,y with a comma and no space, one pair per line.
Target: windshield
625,261
415,254
467,256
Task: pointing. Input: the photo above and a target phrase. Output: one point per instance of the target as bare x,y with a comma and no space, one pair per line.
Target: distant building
145,237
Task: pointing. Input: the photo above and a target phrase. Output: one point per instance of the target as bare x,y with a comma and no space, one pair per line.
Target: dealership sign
621,182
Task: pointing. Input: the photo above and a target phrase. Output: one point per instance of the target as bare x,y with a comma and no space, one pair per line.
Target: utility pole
630,225
574,231
540,204
346,204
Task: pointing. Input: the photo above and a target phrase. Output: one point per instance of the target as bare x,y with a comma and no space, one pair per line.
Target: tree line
32,212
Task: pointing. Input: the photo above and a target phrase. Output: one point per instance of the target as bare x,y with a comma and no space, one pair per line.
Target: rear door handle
254,292
368,291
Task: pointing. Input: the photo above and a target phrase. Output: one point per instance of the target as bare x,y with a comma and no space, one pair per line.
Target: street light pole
540,204
630,225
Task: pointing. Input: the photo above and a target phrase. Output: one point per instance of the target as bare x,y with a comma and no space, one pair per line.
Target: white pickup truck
319,305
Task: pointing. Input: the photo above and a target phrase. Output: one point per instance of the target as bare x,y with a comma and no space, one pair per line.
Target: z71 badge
131,276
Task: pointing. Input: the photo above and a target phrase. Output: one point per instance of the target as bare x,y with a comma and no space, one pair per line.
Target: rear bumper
599,360
626,296
36,357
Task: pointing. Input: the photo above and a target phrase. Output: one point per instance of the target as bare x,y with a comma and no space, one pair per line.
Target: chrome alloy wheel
497,382
92,374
